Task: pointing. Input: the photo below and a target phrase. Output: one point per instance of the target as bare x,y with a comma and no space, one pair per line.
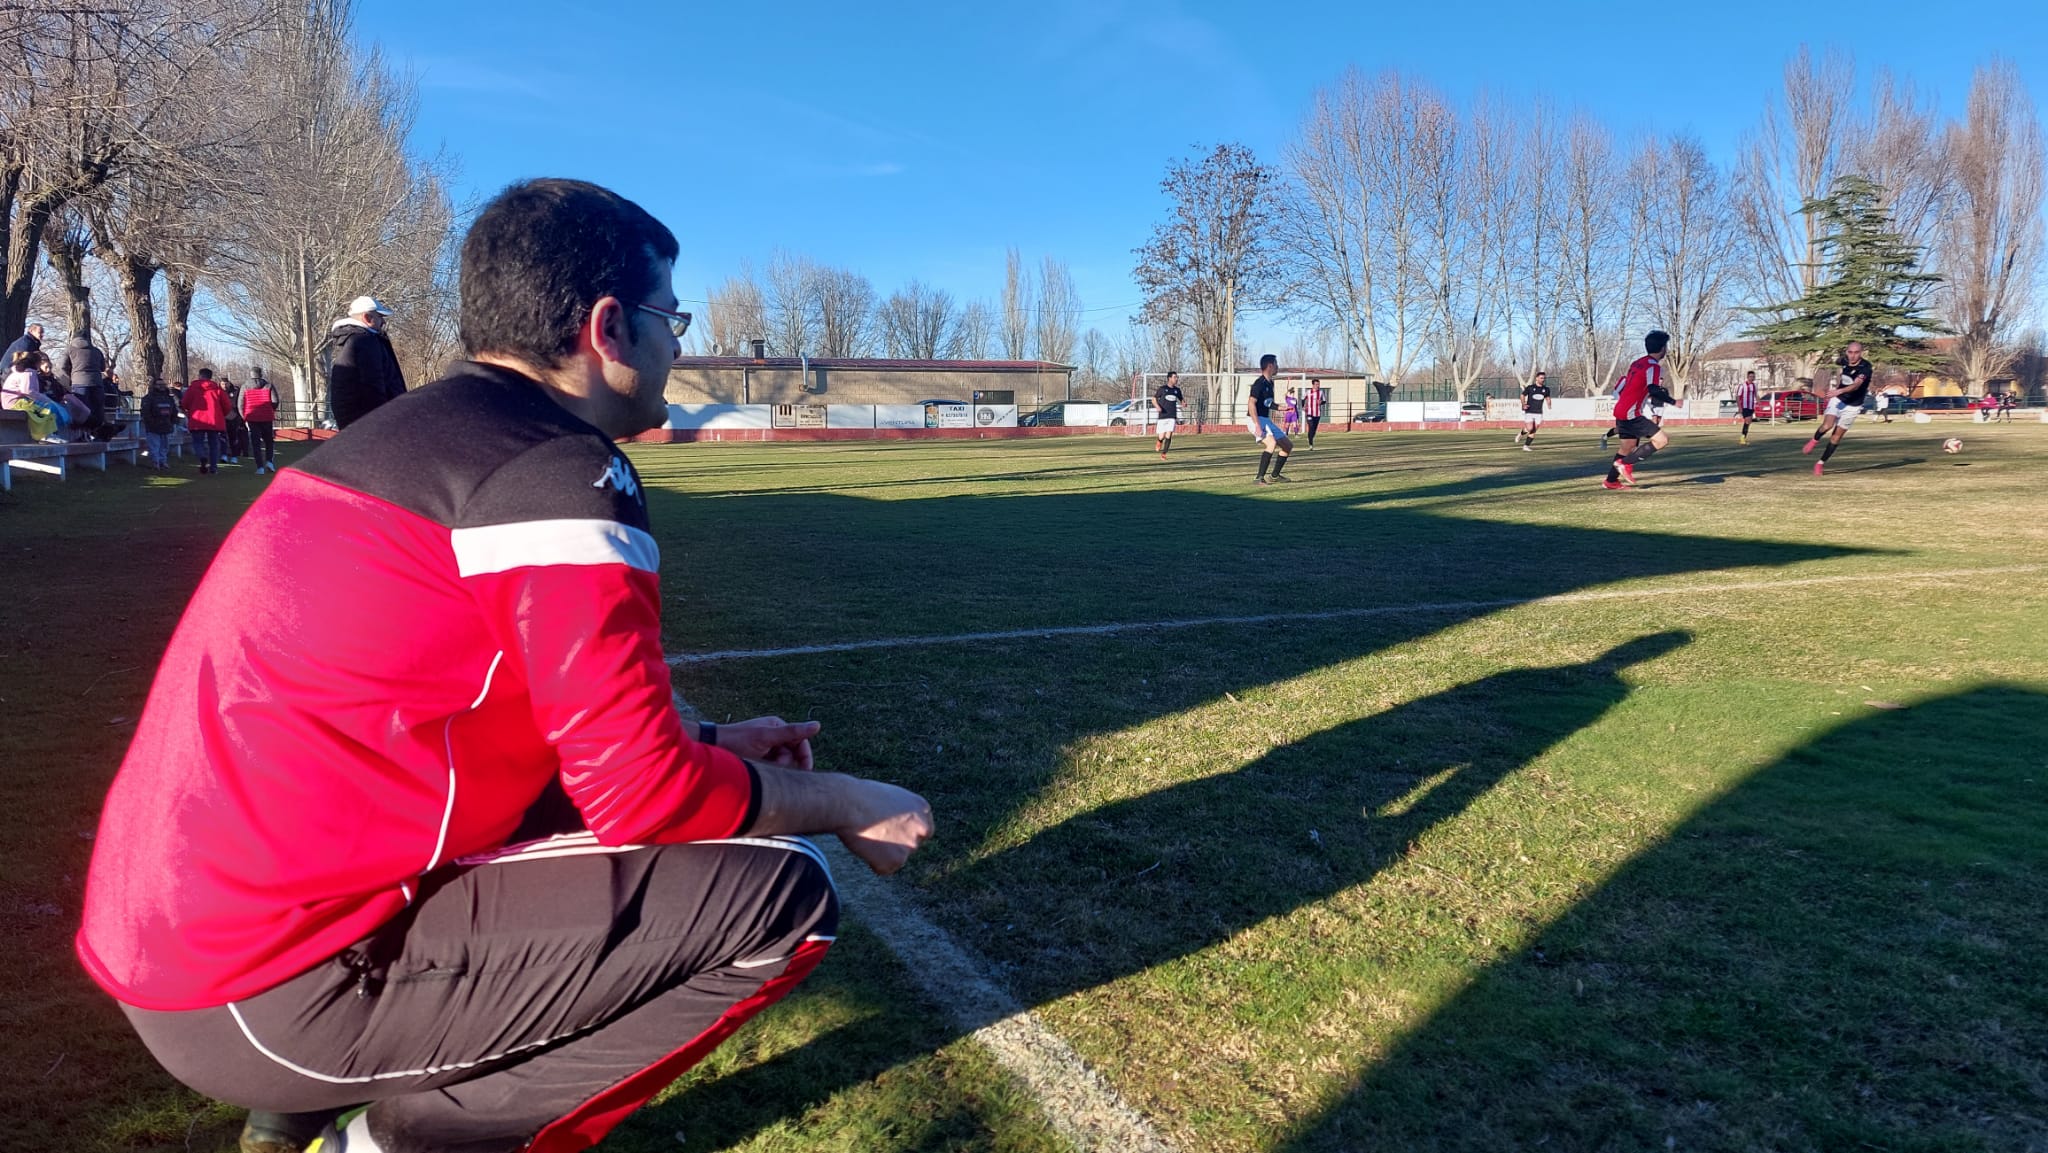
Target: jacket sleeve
568,574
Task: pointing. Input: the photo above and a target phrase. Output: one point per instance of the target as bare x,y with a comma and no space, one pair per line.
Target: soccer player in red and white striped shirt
1745,402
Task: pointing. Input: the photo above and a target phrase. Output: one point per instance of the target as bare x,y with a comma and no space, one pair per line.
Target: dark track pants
528,999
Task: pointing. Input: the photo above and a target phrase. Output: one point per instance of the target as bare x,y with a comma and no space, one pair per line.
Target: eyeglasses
678,322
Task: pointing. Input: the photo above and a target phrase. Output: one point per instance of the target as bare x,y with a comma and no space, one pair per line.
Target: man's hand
889,824
770,740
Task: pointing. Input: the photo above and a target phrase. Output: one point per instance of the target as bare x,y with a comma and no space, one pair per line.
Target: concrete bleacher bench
56,459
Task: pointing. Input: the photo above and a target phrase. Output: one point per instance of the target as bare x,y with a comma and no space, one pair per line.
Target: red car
1792,404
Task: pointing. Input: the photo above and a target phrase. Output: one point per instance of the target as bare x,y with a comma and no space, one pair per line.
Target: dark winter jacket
160,411
81,365
363,372
26,342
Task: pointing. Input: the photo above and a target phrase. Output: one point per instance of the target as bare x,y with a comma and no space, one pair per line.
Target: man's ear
605,331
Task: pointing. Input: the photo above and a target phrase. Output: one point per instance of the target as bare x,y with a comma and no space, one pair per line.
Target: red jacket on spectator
206,406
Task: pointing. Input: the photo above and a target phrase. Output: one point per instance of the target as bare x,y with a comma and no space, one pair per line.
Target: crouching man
409,820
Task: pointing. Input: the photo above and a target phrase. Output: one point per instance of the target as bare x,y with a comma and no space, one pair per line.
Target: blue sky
923,139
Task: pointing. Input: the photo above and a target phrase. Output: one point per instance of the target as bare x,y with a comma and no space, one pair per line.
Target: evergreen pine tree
1873,289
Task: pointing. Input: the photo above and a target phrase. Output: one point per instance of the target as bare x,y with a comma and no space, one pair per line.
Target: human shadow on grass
1120,889
1842,953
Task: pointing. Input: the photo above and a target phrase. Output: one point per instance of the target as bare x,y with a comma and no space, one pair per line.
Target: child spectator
23,392
159,421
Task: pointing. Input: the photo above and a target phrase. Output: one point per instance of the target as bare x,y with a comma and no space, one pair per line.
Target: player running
1312,408
1259,419
1168,398
1845,404
1745,403
1535,402
1641,389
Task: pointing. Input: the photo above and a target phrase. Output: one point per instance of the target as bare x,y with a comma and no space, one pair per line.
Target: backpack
159,412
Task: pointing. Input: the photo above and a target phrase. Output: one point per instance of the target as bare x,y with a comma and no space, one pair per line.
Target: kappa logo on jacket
619,476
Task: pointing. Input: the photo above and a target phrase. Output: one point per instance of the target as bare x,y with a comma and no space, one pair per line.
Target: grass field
1708,816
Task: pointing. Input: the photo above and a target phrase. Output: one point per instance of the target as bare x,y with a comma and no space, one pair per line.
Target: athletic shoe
1810,446
1612,485
1628,472
1743,440
1261,480
1283,479
1526,448
1818,466
1603,442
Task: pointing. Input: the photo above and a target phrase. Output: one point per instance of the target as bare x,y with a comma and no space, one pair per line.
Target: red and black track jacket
404,640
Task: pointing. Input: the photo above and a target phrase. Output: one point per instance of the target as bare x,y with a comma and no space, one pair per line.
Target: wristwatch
707,733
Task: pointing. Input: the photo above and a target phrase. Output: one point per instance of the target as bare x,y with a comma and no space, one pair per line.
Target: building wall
742,384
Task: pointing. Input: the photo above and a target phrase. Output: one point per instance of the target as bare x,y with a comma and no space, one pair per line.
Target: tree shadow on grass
1843,953
1134,884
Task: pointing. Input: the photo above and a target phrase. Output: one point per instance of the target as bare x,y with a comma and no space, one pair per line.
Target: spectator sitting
159,420
22,391
206,415
29,341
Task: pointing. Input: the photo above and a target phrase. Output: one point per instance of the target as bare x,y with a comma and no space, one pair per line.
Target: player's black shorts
1746,413
1638,428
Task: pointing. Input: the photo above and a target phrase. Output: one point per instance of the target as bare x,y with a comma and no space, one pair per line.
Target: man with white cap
363,372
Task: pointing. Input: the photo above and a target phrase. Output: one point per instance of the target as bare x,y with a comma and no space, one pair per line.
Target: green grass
1639,872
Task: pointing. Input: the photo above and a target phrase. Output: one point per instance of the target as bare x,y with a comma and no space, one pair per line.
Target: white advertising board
1087,416
995,416
899,416
849,416
720,416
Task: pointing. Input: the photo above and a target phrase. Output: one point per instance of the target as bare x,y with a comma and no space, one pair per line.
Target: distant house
1725,364
836,380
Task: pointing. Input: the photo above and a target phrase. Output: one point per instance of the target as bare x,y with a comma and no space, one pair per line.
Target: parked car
1472,410
941,402
1791,404
1125,411
1950,402
1053,415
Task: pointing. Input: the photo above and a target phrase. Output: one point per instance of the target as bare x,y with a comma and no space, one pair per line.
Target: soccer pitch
1436,800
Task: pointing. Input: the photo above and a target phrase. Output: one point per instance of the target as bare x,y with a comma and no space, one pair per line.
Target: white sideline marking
677,659
1081,1106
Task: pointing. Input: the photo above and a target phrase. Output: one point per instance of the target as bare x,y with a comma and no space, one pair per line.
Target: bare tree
1017,308
1989,247
1530,194
918,322
1605,213
737,313
973,332
1059,313
846,313
1206,263
1691,250
792,304
1348,231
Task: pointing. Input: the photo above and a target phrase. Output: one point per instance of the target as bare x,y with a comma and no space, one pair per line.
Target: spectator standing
259,411
83,367
159,421
31,340
236,435
363,372
206,417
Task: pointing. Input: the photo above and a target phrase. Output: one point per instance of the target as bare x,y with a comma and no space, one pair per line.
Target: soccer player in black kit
1169,398
1535,402
1259,418
1845,404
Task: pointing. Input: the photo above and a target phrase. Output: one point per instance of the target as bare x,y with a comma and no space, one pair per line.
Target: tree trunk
178,289
67,257
138,279
24,245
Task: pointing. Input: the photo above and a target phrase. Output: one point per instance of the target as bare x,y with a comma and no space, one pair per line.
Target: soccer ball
1952,445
